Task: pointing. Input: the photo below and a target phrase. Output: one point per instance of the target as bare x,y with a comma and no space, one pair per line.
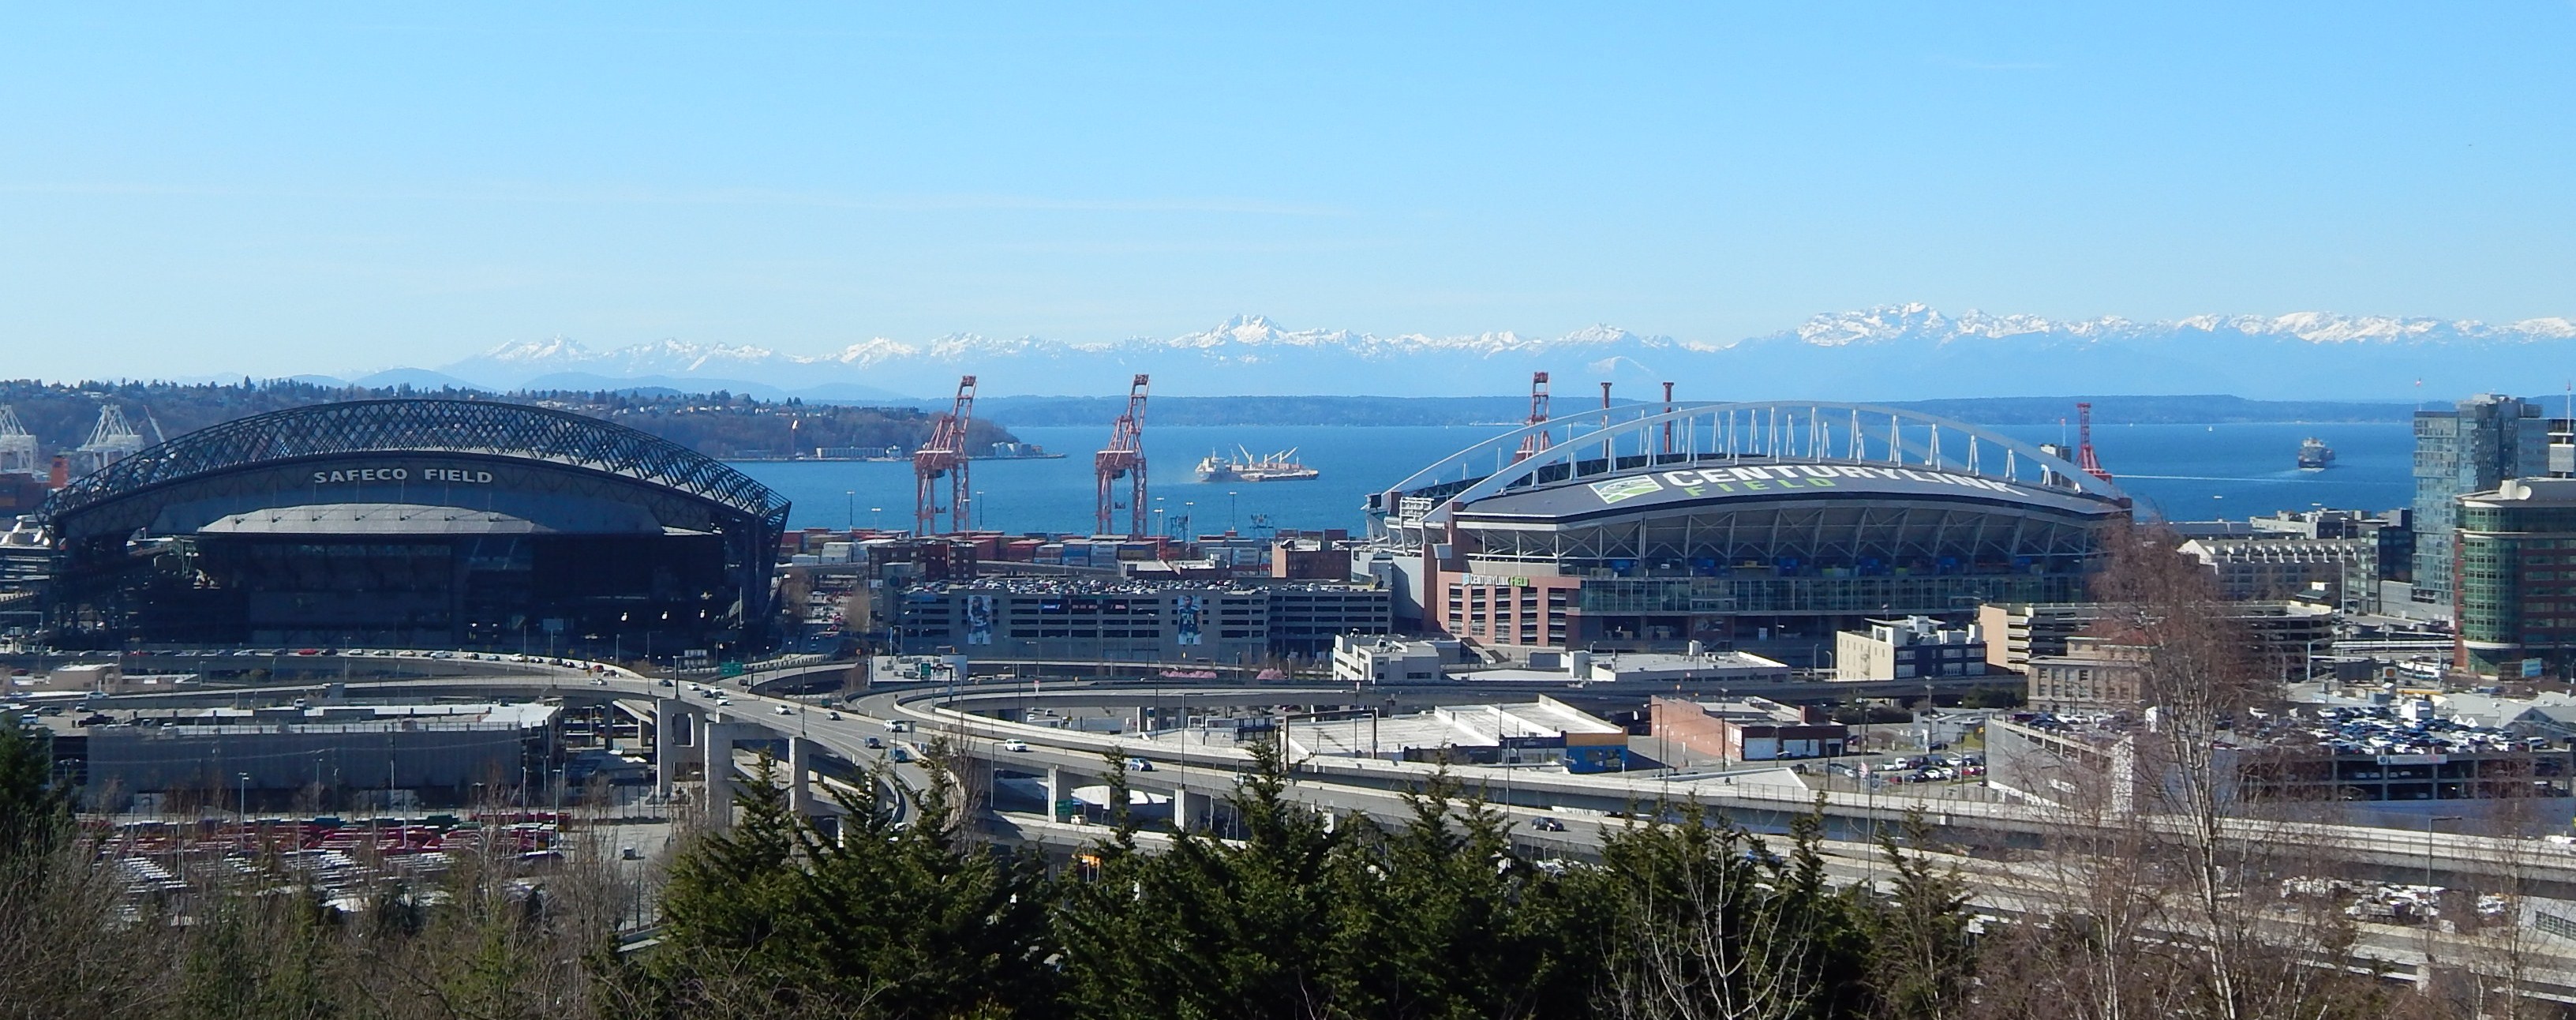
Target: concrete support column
668,720
1054,790
718,746
1184,804
800,760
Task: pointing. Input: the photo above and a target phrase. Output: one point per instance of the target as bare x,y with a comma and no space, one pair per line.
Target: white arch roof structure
1600,442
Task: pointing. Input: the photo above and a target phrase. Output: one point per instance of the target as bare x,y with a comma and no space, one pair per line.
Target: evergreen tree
913,922
34,813
1441,919
723,907
1921,963
1213,929
897,920
1707,921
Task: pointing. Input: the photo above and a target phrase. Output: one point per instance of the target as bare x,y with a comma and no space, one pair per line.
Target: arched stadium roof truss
1600,443
515,432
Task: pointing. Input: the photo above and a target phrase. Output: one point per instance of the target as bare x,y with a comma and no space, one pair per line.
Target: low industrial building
1387,660
1137,620
1909,647
219,755
1748,729
1541,732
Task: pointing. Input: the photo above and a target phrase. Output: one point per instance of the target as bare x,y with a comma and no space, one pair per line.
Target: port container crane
1534,443
1124,458
944,456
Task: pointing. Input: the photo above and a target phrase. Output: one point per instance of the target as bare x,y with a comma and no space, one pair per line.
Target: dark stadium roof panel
423,520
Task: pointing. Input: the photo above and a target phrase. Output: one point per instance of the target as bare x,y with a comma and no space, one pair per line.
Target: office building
2473,448
1134,620
1907,648
2283,634
2089,675
2516,601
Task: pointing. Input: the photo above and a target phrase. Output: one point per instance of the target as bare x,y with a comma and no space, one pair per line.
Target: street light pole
2428,834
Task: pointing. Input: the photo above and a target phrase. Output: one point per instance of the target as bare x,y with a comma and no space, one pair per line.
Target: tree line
1301,915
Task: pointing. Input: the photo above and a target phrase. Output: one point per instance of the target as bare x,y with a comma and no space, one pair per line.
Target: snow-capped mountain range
1893,352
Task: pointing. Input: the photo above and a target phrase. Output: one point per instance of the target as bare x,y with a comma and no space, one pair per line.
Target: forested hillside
718,424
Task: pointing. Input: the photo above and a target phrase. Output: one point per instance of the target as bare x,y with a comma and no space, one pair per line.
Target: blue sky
196,190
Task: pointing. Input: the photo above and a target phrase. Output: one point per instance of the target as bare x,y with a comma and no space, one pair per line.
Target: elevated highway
982,724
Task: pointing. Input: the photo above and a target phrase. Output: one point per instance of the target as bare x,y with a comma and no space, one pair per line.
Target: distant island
1497,410
721,424
735,426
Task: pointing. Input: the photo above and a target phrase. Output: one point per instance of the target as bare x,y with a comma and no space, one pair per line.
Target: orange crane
944,455
1535,442
2084,442
1125,458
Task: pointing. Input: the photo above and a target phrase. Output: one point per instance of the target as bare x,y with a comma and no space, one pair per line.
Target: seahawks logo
1618,489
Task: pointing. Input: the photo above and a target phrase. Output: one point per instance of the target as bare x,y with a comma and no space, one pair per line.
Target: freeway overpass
981,723
980,718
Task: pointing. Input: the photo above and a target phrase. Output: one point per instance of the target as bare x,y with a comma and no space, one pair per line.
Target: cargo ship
1246,467
2315,455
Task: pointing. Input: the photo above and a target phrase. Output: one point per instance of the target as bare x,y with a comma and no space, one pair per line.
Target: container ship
2315,455
1244,466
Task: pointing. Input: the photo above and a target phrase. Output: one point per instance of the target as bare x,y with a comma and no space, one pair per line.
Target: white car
1015,745
784,710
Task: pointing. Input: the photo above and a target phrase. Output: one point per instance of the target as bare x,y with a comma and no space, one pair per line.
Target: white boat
1246,467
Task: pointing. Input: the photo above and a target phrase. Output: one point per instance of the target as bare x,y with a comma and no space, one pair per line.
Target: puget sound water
2180,472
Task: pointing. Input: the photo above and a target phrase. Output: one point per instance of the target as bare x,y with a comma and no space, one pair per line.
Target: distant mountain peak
1893,351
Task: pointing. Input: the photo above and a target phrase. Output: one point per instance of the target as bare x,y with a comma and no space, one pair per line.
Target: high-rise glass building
2471,448
2517,579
